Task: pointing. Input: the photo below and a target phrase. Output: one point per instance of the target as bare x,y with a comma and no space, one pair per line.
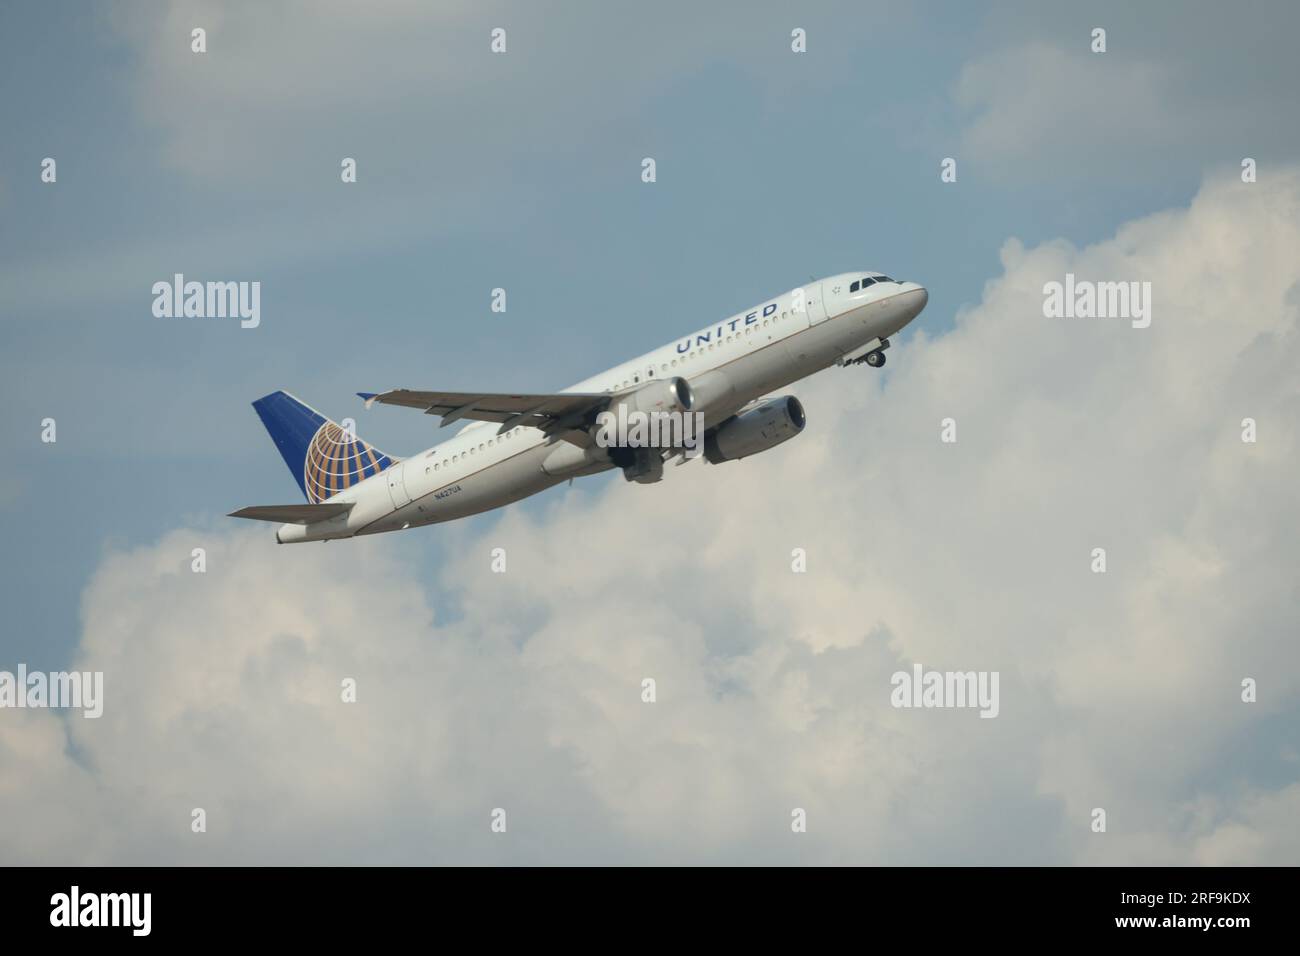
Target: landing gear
646,465
873,353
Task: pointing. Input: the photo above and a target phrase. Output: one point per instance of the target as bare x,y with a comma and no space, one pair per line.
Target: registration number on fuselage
447,492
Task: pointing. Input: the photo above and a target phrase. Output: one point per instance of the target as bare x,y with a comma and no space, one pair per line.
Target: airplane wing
547,412
293,514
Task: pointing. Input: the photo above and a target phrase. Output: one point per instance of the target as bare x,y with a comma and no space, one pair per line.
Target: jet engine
755,429
664,395
645,465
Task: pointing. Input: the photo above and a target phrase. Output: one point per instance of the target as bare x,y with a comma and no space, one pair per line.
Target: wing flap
508,410
294,514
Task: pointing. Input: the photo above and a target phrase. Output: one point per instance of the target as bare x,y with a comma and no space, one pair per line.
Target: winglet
368,397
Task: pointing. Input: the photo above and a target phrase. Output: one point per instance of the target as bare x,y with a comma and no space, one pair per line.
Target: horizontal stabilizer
294,514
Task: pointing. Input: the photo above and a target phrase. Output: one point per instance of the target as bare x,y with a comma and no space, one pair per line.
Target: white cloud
1118,690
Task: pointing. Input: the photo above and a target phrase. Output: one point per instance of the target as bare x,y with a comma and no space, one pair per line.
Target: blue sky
521,171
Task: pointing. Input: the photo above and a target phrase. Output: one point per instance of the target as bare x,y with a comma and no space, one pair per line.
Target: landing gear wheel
875,359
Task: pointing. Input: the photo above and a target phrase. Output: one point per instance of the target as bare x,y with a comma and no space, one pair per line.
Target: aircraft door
814,304
397,485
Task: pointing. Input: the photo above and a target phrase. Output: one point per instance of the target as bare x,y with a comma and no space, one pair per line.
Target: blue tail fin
323,457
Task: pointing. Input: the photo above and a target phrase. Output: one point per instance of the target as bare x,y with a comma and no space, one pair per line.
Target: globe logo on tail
337,460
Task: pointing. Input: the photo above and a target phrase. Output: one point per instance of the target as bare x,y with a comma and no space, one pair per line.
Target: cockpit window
854,287
883,279
868,281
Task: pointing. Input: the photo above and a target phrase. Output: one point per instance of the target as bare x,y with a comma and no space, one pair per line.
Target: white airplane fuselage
728,366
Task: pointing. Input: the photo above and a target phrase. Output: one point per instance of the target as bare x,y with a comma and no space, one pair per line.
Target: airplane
719,374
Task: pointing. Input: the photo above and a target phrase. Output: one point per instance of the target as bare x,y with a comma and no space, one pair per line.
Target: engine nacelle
664,395
567,459
755,429
712,390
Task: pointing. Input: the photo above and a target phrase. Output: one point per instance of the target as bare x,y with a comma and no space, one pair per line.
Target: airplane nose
917,298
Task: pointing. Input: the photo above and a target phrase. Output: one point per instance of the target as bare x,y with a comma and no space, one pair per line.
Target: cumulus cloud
523,690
